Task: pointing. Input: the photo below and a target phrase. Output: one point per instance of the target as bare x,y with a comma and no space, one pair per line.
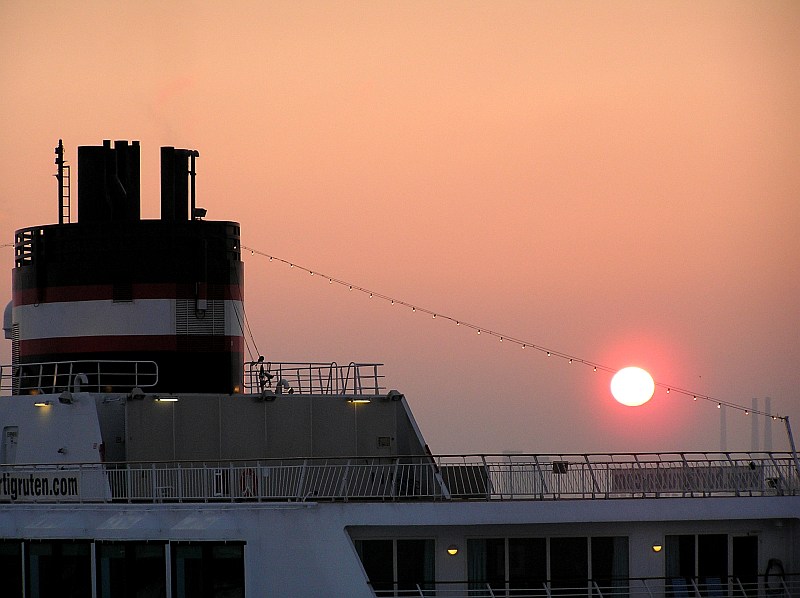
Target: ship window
207,570
398,567
129,569
486,563
610,564
11,567
415,563
527,563
377,556
709,568
745,563
57,569
519,566
569,564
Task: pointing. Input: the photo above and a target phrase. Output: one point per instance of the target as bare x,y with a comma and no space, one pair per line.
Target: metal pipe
192,173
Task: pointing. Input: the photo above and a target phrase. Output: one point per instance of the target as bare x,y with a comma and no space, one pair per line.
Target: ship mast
63,185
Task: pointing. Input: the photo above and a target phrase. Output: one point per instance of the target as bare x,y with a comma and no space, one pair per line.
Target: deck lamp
657,547
452,550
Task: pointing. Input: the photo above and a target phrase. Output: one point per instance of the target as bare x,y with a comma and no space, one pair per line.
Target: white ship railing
438,478
313,378
53,377
777,586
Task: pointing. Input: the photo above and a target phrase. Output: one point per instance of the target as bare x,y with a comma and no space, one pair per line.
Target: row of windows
401,567
63,569
517,563
404,566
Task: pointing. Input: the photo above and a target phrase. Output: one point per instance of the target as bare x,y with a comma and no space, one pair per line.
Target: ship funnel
108,182
176,176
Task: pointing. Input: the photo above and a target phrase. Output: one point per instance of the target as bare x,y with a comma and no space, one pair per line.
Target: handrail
414,477
104,375
631,587
356,379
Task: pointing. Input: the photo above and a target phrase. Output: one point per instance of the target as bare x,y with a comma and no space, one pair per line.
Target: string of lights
504,338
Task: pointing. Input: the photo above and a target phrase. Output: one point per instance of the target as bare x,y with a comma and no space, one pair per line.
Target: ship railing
53,377
26,242
300,480
420,477
622,475
313,378
733,586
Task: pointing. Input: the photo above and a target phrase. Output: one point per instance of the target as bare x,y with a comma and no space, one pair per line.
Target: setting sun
632,386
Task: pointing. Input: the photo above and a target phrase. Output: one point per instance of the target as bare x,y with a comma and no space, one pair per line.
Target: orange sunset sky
618,181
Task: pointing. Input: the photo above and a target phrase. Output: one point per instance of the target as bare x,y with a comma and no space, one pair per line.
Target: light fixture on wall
166,399
358,401
452,550
657,547
43,403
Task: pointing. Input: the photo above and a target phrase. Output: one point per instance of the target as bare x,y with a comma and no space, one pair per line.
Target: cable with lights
504,338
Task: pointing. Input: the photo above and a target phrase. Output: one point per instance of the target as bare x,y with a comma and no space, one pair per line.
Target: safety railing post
301,481
595,486
344,481
231,479
488,478
541,477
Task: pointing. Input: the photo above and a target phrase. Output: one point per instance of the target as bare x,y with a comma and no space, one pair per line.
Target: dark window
710,571
610,565
207,570
415,565
11,567
569,564
377,557
130,570
745,563
712,563
527,565
486,563
679,555
58,570
404,566
518,566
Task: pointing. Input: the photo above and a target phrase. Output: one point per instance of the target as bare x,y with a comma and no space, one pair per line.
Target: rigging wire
668,388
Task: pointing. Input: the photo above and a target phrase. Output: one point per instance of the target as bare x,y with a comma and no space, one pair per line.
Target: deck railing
760,586
313,378
53,377
328,378
438,478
